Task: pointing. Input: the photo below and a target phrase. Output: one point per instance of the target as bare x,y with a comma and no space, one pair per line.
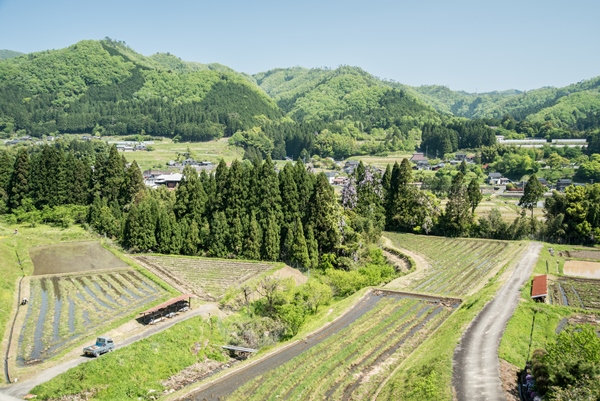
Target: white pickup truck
102,346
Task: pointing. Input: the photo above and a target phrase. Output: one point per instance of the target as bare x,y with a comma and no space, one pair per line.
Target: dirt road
21,389
476,373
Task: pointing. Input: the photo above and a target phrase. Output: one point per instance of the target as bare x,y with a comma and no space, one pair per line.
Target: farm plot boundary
64,309
405,318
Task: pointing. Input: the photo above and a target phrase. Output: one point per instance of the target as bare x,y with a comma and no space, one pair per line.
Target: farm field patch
582,269
72,257
350,362
575,292
208,278
458,266
583,254
63,309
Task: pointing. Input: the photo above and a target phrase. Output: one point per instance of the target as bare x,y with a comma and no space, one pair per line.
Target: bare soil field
581,268
208,278
73,257
582,254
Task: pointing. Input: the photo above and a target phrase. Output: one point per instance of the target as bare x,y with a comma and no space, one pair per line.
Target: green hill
344,93
574,107
5,54
104,86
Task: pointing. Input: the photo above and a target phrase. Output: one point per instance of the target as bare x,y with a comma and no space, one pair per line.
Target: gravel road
476,373
21,389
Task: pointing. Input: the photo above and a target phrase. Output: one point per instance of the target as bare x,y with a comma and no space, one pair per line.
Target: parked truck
102,346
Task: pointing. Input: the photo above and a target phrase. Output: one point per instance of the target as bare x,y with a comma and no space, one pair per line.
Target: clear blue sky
476,46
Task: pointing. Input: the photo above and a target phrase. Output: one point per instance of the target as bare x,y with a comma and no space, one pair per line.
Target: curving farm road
476,373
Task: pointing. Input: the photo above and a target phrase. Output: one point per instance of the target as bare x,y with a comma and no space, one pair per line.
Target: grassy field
138,371
167,150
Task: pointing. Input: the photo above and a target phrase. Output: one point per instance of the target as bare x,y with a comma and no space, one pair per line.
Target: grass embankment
532,326
12,244
135,372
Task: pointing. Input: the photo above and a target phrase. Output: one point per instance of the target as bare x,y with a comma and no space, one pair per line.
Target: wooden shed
539,288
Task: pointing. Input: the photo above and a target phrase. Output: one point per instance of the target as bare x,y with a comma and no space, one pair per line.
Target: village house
562,184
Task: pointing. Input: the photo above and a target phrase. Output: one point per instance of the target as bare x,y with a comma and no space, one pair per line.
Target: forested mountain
105,87
574,107
346,92
4,54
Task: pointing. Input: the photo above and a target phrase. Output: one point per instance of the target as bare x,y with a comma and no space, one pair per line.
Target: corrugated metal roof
168,303
539,287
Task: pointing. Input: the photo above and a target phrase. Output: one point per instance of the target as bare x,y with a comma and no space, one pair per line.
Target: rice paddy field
63,309
458,266
208,278
575,292
352,363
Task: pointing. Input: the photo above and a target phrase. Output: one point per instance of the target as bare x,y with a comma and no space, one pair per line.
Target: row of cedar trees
246,210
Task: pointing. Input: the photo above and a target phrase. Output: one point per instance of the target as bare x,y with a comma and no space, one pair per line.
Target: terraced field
208,278
62,309
458,266
575,292
349,364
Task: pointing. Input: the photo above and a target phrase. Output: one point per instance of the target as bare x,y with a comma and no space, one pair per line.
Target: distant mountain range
107,85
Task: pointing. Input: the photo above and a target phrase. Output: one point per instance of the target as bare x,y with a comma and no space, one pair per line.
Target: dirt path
476,368
420,270
21,389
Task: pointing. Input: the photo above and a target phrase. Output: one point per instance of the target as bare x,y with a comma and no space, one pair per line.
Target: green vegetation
532,326
458,266
133,371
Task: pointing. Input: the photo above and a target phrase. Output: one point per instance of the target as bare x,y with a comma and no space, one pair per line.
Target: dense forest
106,88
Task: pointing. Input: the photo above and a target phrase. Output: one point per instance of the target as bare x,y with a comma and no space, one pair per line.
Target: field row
207,278
352,364
457,265
61,309
575,292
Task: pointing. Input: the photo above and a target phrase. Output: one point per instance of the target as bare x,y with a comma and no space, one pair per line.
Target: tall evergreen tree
252,240
18,187
323,215
313,247
271,238
299,250
474,194
139,233
133,182
6,169
219,233
457,218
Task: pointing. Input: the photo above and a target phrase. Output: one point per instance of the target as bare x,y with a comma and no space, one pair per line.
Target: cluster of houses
422,163
132,146
156,178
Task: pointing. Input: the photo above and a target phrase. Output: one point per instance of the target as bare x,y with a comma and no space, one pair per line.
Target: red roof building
539,289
